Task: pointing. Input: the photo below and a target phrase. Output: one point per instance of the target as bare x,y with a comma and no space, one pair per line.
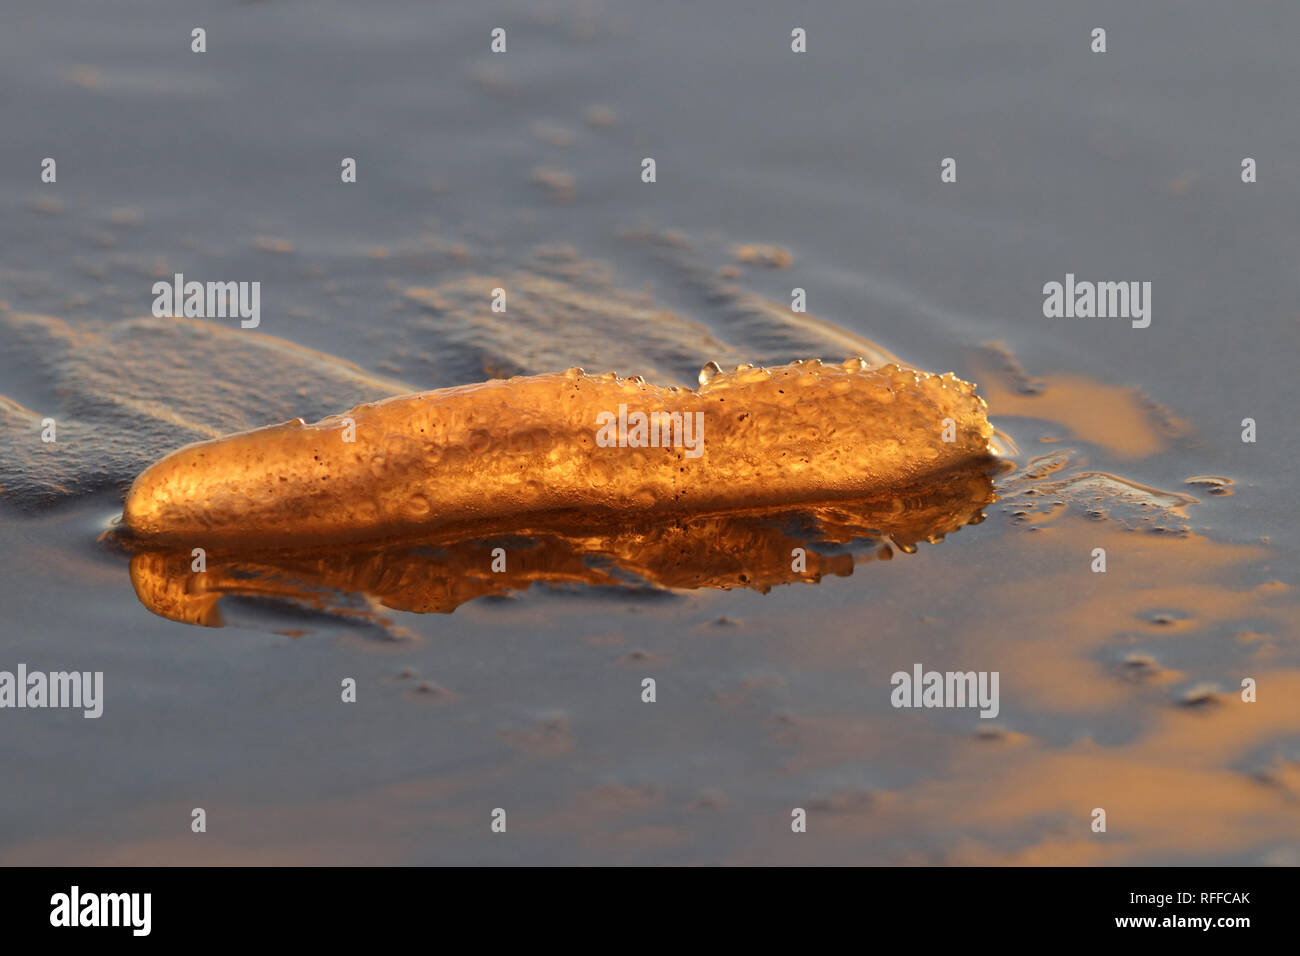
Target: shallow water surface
1119,690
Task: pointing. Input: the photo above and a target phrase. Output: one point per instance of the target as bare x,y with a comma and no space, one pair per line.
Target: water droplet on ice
710,370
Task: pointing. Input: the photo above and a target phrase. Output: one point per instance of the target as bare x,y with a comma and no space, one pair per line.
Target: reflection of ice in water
754,548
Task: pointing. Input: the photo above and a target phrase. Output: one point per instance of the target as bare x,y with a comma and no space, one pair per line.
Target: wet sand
1119,690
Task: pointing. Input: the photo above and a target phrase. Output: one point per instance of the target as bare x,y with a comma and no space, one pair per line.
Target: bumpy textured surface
800,432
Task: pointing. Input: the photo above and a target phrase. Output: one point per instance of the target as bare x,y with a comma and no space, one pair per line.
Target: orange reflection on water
1120,690
753,548
1117,418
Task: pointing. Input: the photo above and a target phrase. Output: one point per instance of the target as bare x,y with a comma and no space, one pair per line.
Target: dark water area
775,170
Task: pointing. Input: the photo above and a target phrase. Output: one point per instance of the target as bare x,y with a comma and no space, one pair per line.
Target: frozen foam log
504,448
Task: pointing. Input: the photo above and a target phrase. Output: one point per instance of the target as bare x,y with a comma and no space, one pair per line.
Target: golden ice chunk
567,442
